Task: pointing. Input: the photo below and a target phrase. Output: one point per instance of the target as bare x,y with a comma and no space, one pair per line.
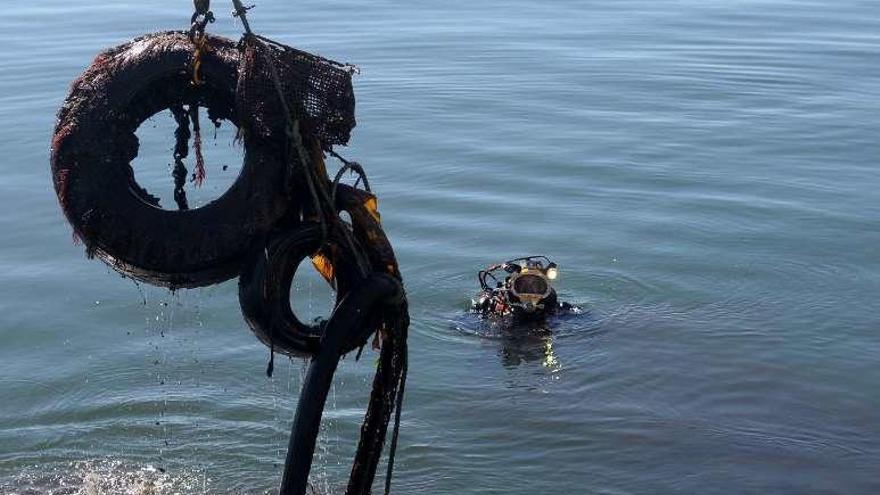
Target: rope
241,12
198,22
352,167
199,175
201,42
398,407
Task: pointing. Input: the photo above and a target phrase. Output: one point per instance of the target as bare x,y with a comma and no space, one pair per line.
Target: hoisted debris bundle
291,108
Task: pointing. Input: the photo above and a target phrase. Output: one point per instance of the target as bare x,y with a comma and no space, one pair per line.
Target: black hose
344,325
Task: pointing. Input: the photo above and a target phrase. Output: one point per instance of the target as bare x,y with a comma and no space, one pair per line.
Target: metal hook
241,12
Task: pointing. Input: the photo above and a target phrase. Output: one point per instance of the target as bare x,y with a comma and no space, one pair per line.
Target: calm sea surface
704,172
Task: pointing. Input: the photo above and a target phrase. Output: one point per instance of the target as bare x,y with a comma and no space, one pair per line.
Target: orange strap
201,43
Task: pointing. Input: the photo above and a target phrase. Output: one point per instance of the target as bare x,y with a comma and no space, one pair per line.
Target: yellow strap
372,206
324,267
201,47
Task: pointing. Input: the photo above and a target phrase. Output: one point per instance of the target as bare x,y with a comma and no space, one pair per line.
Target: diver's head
527,290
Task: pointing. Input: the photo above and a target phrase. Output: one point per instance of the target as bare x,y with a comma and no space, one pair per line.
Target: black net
317,92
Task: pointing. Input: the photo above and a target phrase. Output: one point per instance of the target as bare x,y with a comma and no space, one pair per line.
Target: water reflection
528,343
523,342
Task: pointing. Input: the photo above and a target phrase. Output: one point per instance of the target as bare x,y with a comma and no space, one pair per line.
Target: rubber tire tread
264,291
95,143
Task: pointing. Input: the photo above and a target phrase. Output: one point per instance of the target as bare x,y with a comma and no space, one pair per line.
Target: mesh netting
317,91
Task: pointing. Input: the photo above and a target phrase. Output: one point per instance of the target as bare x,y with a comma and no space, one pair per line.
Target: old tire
264,290
95,142
264,285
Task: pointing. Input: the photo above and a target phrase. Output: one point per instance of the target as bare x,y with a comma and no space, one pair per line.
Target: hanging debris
290,107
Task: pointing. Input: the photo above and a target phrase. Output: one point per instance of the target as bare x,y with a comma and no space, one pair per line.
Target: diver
525,293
